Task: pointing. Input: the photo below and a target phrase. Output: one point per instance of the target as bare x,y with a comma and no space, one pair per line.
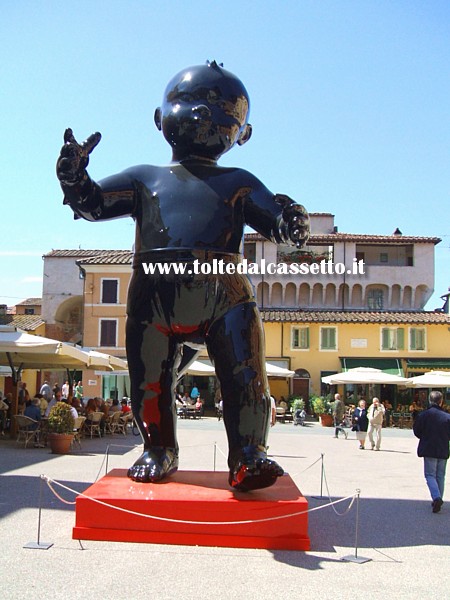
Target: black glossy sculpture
191,210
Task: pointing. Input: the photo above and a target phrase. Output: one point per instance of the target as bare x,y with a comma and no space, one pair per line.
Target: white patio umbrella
99,360
200,368
363,375
431,379
20,350
276,371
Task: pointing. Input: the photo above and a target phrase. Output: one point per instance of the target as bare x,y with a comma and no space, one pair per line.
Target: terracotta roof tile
350,316
31,302
331,238
25,322
109,257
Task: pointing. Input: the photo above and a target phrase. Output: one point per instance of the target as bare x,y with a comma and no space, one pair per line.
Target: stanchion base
187,503
38,545
356,559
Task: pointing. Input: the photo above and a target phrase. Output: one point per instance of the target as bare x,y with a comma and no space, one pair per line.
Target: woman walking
360,423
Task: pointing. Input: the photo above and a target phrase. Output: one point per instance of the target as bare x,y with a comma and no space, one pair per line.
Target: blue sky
349,107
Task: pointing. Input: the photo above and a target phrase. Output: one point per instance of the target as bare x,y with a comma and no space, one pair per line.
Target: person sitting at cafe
73,410
125,408
33,411
76,404
415,408
114,406
3,414
56,398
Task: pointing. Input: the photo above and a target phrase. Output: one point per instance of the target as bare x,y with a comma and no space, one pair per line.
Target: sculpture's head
204,112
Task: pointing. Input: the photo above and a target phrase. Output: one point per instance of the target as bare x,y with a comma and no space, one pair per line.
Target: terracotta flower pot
60,442
326,420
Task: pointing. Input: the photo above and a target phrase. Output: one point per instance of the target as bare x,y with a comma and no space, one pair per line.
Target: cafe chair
92,423
78,431
27,429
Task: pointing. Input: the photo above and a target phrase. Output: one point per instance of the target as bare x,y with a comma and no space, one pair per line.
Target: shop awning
429,364
392,366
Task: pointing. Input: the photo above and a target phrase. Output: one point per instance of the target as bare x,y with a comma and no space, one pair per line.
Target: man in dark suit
432,427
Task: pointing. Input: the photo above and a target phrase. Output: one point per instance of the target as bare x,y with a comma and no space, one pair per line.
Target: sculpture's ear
157,118
245,135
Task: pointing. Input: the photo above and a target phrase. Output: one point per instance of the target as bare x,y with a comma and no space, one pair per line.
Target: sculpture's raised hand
74,158
296,219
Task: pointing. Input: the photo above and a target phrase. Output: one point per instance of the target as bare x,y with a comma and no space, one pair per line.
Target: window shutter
306,337
332,338
412,339
385,339
109,291
400,338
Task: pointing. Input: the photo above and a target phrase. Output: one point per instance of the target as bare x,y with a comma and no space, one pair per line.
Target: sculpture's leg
236,345
152,361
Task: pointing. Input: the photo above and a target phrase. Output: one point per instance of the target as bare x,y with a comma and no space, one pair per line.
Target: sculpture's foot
253,470
155,464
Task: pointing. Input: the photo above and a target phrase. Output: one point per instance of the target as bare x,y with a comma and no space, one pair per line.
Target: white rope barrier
50,482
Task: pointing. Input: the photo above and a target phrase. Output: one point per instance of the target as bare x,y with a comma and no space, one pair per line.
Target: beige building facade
315,324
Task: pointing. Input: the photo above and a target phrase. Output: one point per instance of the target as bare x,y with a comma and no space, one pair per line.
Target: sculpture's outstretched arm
276,216
87,198
294,223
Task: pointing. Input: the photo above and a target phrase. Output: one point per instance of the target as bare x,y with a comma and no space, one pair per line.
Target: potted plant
297,404
60,428
323,409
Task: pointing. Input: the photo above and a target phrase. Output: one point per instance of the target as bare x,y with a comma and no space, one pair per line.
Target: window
108,332
383,257
417,338
109,291
375,299
250,252
392,338
300,338
328,338
29,311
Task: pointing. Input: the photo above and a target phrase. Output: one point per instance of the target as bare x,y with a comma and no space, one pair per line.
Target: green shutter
332,331
412,339
417,339
385,339
400,338
328,338
307,338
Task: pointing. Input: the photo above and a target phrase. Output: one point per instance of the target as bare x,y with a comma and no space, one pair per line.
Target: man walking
432,427
375,415
338,415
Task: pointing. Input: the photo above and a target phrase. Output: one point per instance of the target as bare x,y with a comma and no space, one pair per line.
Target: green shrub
321,405
60,418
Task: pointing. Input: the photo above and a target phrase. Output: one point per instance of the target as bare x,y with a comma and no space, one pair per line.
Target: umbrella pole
16,376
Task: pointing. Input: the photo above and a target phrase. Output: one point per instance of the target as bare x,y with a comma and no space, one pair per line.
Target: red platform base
200,508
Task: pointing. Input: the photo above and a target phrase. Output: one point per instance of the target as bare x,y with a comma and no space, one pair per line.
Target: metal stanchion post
354,557
38,545
107,456
321,478
215,451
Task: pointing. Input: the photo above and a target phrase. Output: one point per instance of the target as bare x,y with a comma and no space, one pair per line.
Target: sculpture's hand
74,158
296,219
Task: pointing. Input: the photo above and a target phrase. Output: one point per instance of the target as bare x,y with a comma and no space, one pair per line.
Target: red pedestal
193,508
